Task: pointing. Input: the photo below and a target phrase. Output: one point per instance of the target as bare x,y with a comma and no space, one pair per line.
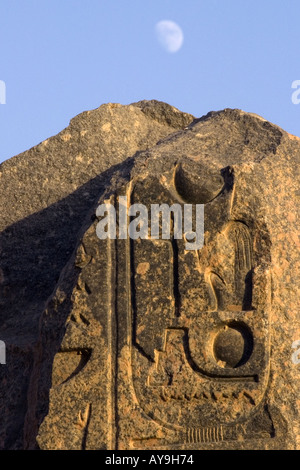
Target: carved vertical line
243,240
132,312
129,270
109,353
238,249
208,276
244,247
85,431
249,250
115,342
124,298
175,251
232,199
112,342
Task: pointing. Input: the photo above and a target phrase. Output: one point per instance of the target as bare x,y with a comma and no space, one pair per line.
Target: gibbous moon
170,35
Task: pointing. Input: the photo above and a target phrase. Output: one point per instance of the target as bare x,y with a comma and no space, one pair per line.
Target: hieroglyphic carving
202,435
260,426
199,348
67,364
233,288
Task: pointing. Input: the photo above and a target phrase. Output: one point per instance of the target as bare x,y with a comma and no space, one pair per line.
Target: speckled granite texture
142,344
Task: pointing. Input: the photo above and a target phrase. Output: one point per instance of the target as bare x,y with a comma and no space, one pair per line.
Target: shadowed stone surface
46,193
143,344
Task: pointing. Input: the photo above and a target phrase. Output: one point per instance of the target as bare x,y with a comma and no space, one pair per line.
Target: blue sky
61,57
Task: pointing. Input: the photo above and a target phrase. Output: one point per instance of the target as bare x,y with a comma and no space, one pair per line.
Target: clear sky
61,57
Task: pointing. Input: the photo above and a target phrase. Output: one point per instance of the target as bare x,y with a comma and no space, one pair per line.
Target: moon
170,35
